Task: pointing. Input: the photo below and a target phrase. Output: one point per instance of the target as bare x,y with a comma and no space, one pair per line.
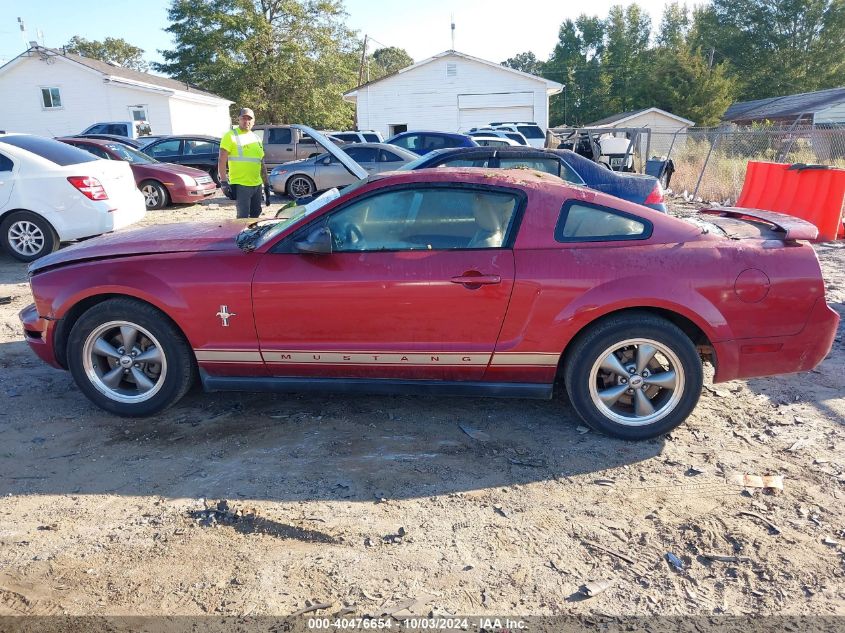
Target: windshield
415,164
130,155
259,233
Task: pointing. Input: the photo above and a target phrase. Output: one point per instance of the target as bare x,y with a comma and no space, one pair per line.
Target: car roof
93,141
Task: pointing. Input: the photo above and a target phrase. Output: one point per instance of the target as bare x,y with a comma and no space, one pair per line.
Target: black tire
300,186
155,335
213,173
623,336
26,236
155,194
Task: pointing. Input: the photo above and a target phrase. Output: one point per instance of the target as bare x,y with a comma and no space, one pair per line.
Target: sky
489,29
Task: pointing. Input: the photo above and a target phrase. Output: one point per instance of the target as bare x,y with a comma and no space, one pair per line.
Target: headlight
189,181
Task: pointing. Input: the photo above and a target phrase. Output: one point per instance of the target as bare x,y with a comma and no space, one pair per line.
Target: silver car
302,178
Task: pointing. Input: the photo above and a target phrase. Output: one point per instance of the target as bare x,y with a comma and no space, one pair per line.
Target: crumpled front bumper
38,333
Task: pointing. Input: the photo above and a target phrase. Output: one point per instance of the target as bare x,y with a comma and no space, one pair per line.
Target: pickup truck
284,143
130,129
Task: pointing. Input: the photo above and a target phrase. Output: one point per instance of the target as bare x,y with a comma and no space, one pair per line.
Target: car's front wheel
155,195
27,236
300,186
129,358
634,376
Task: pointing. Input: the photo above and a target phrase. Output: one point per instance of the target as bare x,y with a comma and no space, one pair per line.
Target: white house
43,91
451,92
667,129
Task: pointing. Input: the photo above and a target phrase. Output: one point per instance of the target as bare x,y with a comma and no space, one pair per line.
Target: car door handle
289,149
476,280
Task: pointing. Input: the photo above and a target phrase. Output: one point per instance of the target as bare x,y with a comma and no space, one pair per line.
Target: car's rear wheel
27,236
634,376
128,358
300,186
155,195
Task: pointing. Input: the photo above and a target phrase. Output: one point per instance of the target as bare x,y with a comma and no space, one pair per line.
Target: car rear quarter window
6,163
55,151
580,222
372,138
434,218
530,131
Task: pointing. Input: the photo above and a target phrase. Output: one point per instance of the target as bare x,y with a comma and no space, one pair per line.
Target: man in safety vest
241,166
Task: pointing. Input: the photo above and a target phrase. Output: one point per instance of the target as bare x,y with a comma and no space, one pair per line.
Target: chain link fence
710,163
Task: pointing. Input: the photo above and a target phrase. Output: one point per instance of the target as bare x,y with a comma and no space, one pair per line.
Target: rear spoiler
795,228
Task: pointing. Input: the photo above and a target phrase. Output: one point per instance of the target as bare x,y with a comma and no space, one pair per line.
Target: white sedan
51,192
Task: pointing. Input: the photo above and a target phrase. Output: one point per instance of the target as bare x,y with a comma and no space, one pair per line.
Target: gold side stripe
231,356
426,359
501,359
339,358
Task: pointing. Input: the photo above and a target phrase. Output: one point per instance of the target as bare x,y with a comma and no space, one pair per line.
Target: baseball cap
247,112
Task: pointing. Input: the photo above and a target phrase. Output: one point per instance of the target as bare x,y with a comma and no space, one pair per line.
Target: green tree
289,60
385,61
776,47
115,50
526,62
674,26
628,31
680,81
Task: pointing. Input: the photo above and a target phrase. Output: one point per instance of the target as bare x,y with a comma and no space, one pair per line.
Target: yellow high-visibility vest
245,154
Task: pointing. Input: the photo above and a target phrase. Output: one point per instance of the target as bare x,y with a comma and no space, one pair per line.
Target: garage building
451,92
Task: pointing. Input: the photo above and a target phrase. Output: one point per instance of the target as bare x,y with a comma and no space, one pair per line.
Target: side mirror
318,242
326,161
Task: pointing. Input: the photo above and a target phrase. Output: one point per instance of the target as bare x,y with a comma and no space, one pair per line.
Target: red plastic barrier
813,193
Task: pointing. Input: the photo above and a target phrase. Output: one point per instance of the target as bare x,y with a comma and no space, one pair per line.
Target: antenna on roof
453,31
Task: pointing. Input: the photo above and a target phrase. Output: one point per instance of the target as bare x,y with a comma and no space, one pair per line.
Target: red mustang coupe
161,183
447,281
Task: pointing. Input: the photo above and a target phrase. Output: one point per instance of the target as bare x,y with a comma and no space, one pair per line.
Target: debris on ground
674,561
476,434
768,483
771,525
592,589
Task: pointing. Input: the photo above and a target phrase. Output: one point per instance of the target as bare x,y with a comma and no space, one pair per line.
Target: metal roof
790,106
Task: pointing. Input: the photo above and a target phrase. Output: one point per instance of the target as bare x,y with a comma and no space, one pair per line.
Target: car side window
165,148
349,138
412,141
465,162
362,154
389,157
200,147
307,140
548,165
579,222
435,218
570,175
372,138
6,163
99,153
279,136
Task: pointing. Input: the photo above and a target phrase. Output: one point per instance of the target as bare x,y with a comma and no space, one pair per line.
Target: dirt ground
238,504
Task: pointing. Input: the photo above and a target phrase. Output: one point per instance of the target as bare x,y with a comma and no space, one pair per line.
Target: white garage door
476,110
478,117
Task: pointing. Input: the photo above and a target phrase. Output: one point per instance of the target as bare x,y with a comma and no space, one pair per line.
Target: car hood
167,238
170,169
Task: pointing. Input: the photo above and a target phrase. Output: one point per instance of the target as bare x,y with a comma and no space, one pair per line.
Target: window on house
51,98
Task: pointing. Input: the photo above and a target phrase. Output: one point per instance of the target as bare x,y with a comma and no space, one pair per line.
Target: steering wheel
350,238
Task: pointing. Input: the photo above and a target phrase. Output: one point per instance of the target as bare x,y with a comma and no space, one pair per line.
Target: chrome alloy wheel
300,187
26,238
124,362
152,195
636,382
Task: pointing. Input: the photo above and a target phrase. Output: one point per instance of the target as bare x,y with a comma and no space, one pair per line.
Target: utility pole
363,57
